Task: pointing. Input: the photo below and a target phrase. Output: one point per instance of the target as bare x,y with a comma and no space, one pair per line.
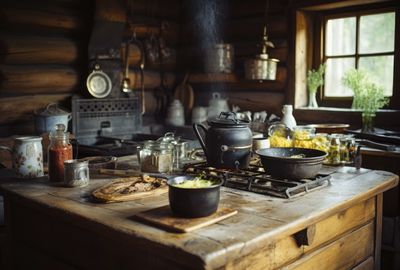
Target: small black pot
193,202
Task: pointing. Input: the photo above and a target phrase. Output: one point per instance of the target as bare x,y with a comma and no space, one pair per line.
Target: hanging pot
219,58
261,67
228,141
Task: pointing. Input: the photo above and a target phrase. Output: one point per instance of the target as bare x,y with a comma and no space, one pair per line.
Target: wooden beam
32,18
14,109
320,5
15,49
19,80
110,11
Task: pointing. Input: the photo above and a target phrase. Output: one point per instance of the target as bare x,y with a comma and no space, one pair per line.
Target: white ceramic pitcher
27,156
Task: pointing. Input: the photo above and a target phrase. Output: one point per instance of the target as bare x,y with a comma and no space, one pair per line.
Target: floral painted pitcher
27,156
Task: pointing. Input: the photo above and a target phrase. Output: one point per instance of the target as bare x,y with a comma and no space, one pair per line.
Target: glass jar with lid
59,150
156,157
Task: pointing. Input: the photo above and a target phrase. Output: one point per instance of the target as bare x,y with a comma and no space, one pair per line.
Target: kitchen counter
336,227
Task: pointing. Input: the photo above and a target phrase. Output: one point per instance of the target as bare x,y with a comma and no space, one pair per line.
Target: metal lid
59,132
98,83
51,109
228,119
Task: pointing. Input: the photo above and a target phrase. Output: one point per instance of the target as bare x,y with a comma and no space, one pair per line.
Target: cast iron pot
278,162
227,142
193,202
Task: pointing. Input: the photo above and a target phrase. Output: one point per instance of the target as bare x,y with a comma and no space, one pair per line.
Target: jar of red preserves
60,149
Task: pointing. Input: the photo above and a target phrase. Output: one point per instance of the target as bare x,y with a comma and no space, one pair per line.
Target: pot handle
201,140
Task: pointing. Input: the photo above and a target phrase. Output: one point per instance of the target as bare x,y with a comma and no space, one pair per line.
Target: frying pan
280,162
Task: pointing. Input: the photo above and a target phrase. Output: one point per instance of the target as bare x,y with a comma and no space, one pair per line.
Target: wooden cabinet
346,237
337,227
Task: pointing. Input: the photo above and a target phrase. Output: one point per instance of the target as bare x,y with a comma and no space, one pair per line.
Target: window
362,41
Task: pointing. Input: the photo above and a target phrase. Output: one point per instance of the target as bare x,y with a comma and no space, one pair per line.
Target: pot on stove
228,141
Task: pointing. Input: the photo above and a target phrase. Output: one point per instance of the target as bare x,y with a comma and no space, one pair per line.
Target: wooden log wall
43,52
243,29
43,48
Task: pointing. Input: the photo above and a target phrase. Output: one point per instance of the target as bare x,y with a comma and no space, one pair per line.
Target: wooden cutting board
162,217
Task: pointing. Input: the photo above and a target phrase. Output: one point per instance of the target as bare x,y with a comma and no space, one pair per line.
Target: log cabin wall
43,48
44,59
242,27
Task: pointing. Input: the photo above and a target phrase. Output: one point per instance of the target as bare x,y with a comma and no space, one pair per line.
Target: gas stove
255,179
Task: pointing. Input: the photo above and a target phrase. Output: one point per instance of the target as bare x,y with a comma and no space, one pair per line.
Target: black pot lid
228,119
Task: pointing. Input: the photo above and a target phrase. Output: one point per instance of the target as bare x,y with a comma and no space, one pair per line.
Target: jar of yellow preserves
303,137
321,142
279,136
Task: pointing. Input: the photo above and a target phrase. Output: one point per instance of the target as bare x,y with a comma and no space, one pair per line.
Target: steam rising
209,17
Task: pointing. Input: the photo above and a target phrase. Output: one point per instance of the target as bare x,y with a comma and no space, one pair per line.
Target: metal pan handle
381,146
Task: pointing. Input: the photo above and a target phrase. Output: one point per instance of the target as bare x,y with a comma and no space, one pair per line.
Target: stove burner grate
254,179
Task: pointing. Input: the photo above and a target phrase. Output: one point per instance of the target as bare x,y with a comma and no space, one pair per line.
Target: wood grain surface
163,217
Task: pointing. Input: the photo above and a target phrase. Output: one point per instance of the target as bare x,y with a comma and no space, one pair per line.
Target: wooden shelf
237,80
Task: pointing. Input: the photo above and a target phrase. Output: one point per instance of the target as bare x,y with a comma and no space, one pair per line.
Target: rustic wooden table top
260,219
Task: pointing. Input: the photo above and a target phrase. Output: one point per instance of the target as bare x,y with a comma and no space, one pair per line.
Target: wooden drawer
286,250
344,253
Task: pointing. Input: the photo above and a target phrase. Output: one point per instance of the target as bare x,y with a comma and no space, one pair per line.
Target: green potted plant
372,99
368,96
356,79
315,79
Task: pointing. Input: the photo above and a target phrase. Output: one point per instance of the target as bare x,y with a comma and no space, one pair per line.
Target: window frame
334,14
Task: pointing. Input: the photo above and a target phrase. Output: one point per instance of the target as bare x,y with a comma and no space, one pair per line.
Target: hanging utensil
261,67
98,83
161,92
142,61
141,67
184,93
126,88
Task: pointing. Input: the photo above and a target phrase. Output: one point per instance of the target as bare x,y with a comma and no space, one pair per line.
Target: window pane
340,36
335,69
380,69
377,33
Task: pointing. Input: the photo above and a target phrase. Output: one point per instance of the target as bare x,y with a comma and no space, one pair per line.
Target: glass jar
279,136
334,149
302,137
59,150
321,142
156,157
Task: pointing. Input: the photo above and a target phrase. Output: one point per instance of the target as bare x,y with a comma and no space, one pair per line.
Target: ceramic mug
27,156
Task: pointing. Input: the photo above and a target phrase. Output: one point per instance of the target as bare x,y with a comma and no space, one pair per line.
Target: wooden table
337,227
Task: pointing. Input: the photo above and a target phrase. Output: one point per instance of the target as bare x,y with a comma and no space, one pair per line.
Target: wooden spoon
184,93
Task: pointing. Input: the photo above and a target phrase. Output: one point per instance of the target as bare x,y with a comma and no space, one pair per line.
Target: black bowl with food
193,197
291,163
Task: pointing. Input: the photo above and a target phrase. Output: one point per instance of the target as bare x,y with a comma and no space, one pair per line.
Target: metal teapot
227,142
